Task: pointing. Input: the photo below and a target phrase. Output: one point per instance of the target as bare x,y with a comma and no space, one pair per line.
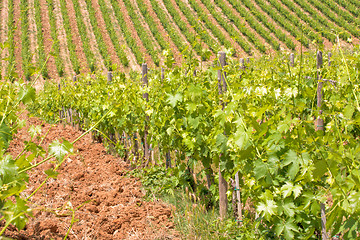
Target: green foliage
264,130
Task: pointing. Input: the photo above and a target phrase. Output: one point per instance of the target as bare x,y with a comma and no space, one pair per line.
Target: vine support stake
167,154
222,182
146,97
239,207
112,135
323,222
319,63
109,77
242,64
320,127
329,58
162,74
292,58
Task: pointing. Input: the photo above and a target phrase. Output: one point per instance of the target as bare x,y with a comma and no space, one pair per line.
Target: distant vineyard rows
90,35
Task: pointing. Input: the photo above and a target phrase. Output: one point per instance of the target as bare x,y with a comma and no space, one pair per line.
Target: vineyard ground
111,205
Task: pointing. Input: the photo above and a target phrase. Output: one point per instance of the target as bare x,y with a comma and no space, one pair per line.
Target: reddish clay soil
113,207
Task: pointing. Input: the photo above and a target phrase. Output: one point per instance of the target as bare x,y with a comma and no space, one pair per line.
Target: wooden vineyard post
319,63
222,182
162,74
112,136
109,77
75,115
329,58
242,64
292,58
320,127
167,154
239,206
146,97
60,111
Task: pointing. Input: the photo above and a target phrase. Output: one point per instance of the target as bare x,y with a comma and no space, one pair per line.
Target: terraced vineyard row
66,37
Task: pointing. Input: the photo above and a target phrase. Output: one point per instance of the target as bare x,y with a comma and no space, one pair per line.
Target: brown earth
107,203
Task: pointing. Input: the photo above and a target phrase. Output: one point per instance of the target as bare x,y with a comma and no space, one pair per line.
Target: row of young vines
204,34
262,128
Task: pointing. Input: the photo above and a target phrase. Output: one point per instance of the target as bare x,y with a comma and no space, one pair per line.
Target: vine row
313,22
295,21
69,37
112,33
25,41
90,58
336,19
142,33
98,36
199,29
11,30
174,35
55,36
282,21
126,33
152,25
214,29
309,8
40,41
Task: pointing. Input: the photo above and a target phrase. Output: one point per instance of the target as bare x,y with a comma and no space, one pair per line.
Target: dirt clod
90,185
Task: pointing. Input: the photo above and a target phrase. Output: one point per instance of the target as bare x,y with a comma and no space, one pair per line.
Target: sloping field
67,37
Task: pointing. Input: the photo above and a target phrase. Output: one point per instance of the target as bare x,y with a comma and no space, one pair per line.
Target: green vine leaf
60,150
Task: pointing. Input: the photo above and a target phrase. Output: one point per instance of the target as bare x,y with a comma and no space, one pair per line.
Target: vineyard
278,136
242,115
68,37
